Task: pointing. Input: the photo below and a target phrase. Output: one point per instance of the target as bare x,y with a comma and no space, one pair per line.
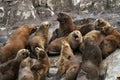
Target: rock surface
113,66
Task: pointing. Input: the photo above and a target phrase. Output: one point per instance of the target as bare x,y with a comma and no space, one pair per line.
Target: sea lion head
40,52
100,24
22,54
45,24
77,36
63,17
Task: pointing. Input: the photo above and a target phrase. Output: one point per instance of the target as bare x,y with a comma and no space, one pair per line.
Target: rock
84,21
26,10
2,13
19,11
52,71
112,63
60,5
39,3
44,12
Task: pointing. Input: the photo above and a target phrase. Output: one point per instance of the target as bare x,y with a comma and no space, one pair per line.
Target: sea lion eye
23,54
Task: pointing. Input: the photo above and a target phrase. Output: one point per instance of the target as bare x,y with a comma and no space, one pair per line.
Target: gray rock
19,10
112,63
53,70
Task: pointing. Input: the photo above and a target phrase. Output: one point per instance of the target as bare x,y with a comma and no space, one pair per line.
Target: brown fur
40,38
17,41
95,36
91,59
100,23
66,26
74,39
25,72
111,41
89,71
85,28
68,64
92,52
41,65
9,69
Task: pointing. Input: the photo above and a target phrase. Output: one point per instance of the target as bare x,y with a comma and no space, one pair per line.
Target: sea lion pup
91,59
65,27
40,38
25,72
17,41
9,69
40,66
74,39
67,64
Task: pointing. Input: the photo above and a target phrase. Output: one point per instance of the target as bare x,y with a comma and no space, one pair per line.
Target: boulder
111,66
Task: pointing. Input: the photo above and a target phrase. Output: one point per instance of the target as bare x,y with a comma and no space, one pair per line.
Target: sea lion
40,38
91,60
40,66
9,69
74,39
111,41
25,72
17,41
65,27
68,64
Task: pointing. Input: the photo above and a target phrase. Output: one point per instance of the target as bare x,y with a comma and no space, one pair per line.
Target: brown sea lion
68,64
74,39
25,72
40,38
17,41
111,41
41,65
66,26
9,70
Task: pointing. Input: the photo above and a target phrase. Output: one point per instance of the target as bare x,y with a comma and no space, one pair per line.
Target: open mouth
76,37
